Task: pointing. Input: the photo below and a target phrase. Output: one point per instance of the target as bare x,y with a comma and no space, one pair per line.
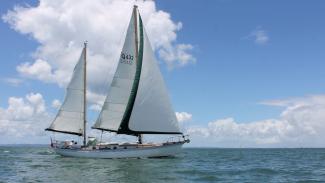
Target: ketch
137,103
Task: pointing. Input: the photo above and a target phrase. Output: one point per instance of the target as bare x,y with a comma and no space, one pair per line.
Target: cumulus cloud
56,104
62,26
23,117
178,54
183,116
259,36
40,69
96,100
301,124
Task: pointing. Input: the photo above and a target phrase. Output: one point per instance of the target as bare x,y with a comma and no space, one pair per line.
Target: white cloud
95,107
183,116
301,124
37,101
56,104
13,81
24,117
259,36
62,26
40,69
297,101
178,54
96,100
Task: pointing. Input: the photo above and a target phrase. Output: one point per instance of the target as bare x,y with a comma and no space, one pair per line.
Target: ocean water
40,164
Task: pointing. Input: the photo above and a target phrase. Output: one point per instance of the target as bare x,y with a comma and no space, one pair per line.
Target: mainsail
137,102
71,116
118,95
152,111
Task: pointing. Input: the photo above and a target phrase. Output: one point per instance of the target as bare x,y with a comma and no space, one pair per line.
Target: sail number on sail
126,58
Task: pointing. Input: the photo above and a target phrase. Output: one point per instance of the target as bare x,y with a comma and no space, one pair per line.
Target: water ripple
39,164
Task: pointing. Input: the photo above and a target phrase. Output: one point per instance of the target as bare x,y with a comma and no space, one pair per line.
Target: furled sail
118,95
137,102
70,118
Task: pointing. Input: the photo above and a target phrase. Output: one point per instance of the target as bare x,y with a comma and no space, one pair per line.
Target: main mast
85,89
135,9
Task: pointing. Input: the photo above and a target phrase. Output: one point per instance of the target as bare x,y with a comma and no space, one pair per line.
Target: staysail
137,102
71,116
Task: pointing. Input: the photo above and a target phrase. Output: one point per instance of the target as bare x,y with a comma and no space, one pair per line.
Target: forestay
70,118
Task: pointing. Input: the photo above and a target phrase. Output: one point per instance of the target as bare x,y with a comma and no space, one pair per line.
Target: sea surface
40,164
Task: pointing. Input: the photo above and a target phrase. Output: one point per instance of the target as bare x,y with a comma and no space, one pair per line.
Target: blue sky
247,53
233,74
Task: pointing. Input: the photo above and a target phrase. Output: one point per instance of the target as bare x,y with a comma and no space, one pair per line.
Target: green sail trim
124,127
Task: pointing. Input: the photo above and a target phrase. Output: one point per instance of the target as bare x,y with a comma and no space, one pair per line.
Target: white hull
140,152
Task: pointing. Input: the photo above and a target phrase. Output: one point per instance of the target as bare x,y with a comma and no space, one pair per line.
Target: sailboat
137,103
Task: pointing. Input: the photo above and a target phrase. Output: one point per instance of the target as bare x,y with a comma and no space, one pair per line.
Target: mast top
85,43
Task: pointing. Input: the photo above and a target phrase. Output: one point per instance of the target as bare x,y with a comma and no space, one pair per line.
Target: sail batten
70,117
